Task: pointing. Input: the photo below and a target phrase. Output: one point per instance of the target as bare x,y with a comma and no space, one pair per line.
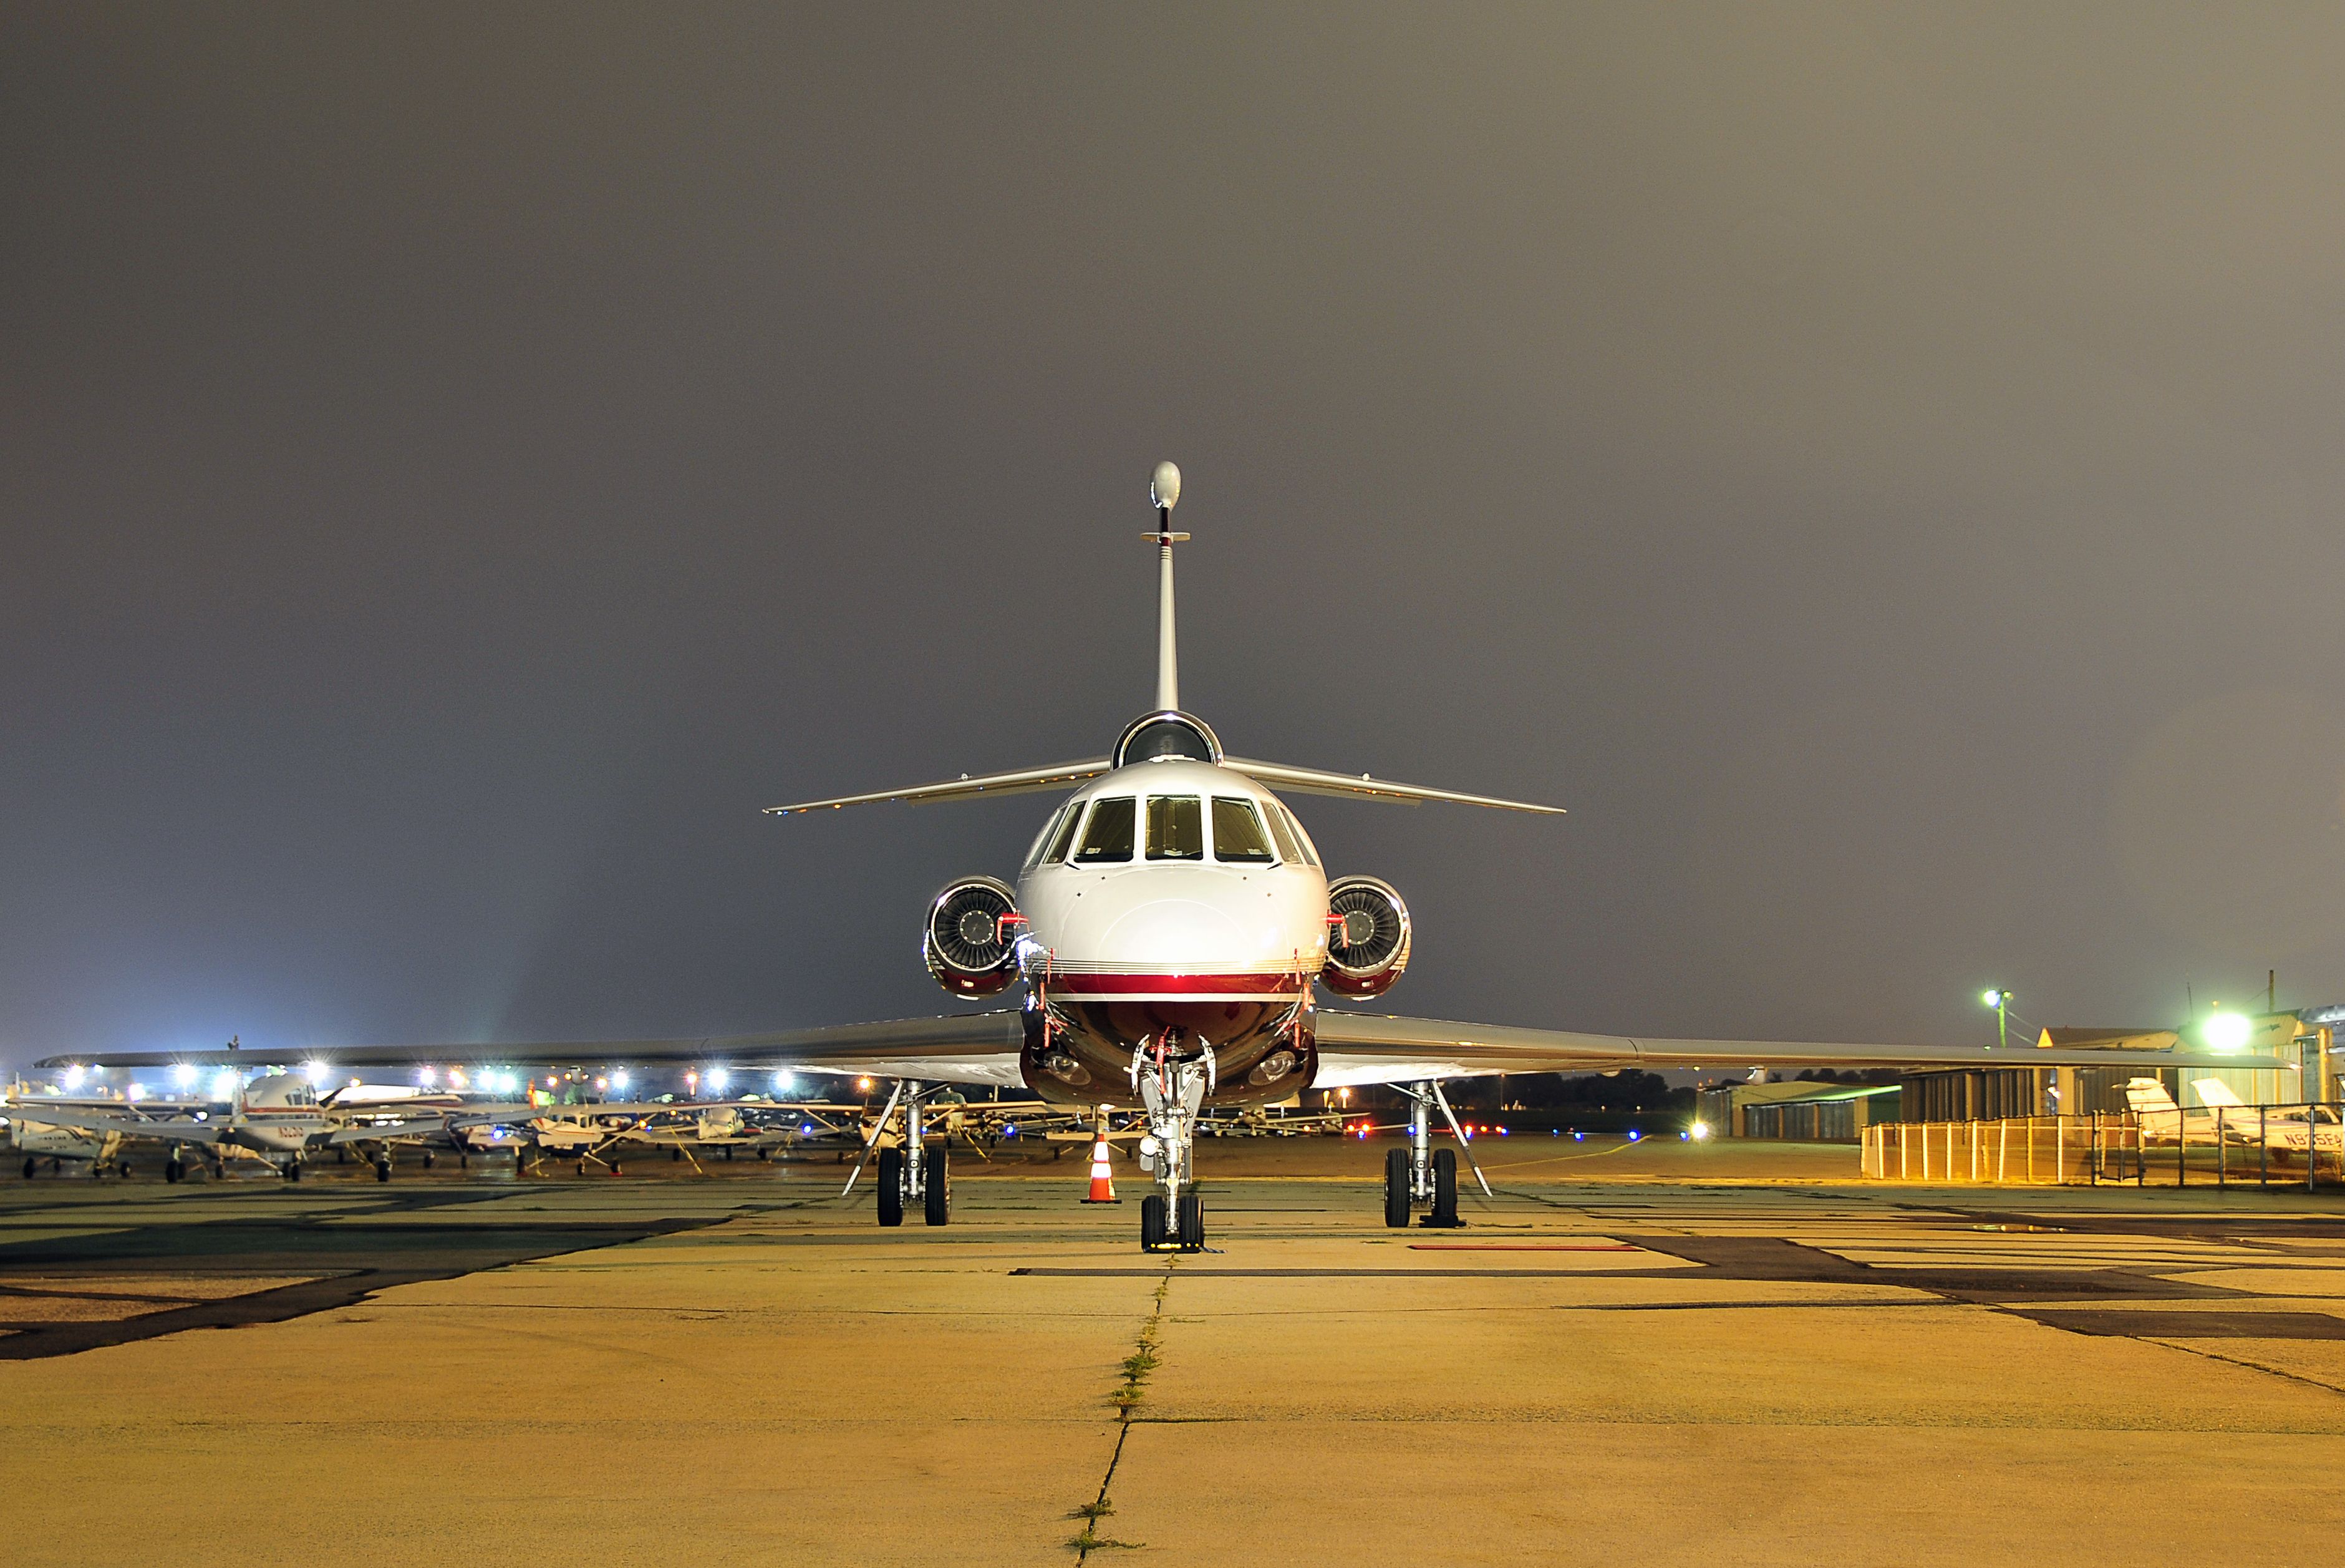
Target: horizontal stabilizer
1318,781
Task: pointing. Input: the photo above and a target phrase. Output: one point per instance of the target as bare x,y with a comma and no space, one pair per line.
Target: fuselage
1171,905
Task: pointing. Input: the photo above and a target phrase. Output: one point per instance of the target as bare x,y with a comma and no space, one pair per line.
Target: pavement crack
1127,1397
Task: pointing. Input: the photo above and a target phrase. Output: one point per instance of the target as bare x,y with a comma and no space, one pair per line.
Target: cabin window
1286,850
1237,833
1107,835
1176,828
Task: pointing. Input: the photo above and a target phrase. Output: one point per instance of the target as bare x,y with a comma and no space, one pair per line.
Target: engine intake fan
971,941
1368,937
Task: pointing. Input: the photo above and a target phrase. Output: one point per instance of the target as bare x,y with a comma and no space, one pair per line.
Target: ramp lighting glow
1699,1130
73,1079
426,1076
718,1077
619,1079
315,1071
184,1074
2226,1031
783,1083
1991,998
136,1092
1634,1135
224,1086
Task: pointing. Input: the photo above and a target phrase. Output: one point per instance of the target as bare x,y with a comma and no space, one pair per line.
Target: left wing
961,1048
1357,1048
37,1114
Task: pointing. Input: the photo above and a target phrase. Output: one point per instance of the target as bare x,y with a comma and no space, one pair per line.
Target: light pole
2000,1000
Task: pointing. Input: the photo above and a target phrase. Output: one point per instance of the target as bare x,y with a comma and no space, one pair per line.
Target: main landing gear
1171,1094
1421,1173
914,1171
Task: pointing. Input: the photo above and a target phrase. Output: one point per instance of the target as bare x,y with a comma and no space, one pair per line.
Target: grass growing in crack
1125,1398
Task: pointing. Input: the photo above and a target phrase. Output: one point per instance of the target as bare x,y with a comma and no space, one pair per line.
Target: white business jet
1165,935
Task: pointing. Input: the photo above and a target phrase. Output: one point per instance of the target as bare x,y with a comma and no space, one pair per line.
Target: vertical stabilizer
1164,489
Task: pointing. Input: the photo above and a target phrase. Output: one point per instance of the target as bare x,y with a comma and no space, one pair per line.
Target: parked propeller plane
1165,935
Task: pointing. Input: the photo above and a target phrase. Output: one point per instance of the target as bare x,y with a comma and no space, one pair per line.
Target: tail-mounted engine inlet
971,941
1368,937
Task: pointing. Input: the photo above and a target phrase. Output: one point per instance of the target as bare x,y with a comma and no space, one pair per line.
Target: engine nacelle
1368,937
971,941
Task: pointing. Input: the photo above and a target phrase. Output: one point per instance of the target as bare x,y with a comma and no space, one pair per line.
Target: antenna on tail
1164,490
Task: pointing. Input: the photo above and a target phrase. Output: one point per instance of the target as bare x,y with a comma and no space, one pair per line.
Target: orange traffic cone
1102,1180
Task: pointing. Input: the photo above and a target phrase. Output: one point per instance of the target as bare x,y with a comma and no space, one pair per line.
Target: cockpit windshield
1107,833
1286,850
1176,828
1237,833
1034,856
1302,839
1063,839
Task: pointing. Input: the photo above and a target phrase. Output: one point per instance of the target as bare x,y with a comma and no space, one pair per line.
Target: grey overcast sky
1880,466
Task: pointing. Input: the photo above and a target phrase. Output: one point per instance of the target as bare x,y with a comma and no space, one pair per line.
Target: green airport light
2000,1000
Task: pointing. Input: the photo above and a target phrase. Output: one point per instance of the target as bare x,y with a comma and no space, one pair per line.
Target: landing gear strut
913,1170
1421,1173
1171,1092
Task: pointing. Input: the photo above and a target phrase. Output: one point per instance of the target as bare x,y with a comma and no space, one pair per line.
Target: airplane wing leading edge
1361,1048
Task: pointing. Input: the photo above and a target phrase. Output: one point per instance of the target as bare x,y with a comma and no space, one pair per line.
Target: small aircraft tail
2148,1096
2215,1094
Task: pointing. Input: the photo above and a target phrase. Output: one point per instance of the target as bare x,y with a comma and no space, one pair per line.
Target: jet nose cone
1182,929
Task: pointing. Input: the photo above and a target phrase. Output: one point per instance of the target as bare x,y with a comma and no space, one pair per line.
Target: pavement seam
1137,1368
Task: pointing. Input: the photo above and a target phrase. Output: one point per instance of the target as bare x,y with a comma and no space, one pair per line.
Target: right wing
959,1048
1319,781
1361,1048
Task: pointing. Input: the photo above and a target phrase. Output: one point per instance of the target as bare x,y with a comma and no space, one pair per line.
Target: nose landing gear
1171,1092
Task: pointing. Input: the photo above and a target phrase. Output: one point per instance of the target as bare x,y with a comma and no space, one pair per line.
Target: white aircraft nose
1182,929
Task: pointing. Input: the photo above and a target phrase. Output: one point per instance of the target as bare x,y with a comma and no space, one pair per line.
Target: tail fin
2214,1092
2148,1095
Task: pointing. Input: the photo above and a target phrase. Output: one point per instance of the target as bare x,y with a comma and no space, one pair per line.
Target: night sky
1880,468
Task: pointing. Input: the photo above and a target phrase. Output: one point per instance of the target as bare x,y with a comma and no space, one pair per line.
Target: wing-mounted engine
971,941
1368,937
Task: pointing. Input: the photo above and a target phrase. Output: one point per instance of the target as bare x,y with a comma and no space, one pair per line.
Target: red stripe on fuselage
1177,986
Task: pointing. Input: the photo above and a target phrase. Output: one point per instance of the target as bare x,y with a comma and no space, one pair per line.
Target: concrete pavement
1677,1362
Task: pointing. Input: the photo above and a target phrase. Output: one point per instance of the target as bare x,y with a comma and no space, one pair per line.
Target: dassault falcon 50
1165,940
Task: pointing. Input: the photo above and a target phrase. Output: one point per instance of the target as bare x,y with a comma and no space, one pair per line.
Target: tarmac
1650,1354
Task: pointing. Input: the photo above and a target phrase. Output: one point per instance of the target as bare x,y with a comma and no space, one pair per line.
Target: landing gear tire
173,1171
383,1169
28,1170
936,1196
427,1159
1152,1223
1444,1191
1192,1222
892,1187
292,1170
615,1167
675,1155
1397,1189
